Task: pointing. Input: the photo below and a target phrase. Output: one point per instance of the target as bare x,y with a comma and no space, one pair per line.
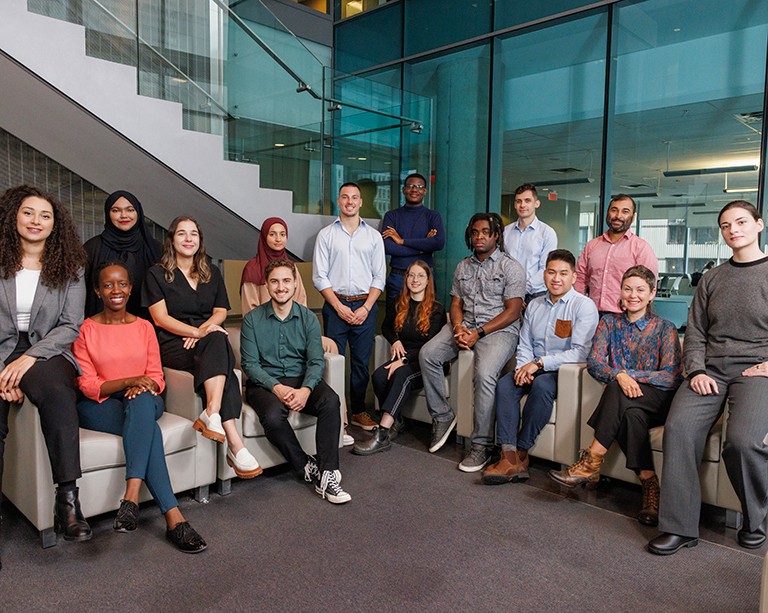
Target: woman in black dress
125,239
416,319
188,302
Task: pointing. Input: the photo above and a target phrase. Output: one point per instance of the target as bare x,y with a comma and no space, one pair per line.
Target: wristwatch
540,363
480,332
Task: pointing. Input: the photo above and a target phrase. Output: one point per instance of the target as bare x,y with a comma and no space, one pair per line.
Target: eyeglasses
417,276
416,187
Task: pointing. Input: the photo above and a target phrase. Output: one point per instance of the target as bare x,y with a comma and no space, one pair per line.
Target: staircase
86,114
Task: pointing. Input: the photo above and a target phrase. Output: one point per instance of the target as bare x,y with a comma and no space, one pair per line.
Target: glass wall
690,82
675,119
549,130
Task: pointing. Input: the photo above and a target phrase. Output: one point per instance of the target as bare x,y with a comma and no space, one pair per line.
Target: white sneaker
347,440
244,464
210,426
330,489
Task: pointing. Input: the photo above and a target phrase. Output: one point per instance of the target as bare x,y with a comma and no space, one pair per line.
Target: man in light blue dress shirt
529,240
349,270
557,329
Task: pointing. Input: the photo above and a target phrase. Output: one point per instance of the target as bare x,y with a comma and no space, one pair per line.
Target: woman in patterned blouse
637,355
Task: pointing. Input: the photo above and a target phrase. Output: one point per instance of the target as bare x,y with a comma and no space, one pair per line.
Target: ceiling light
740,190
574,181
677,206
709,171
279,144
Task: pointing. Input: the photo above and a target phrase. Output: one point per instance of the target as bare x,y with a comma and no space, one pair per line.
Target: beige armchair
181,395
27,480
716,488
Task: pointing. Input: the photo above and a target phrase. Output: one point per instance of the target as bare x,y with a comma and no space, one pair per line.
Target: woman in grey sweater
725,357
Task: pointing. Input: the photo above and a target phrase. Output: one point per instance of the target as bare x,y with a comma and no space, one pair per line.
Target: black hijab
134,247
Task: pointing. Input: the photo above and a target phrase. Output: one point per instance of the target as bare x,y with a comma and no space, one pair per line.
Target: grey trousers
491,354
744,451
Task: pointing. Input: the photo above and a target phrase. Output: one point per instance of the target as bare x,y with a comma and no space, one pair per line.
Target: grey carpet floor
418,535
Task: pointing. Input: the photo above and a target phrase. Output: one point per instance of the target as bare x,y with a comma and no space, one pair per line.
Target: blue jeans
492,352
136,421
538,408
360,339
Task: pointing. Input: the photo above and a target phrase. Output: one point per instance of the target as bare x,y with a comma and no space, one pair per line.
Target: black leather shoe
68,518
751,540
378,442
186,538
666,543
127,519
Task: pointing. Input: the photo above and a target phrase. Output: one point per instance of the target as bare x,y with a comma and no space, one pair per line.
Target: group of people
516,295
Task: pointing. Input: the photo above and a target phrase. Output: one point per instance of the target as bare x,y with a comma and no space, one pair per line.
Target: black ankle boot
378,442
68,518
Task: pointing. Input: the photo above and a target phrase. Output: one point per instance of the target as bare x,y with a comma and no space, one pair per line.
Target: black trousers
50,386
627,421
323,403
392,392
211,357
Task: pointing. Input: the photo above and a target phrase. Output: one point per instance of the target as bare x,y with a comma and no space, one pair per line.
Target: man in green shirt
282,355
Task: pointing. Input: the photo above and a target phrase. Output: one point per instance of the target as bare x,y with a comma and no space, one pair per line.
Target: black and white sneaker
312,471
329,488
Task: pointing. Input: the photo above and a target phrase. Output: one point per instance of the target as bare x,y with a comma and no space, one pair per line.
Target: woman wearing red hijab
253,285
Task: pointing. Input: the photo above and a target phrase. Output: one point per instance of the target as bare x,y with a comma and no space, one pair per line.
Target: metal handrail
163,58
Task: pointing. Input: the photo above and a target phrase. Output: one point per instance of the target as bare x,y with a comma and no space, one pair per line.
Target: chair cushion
711,448
252,426
99,450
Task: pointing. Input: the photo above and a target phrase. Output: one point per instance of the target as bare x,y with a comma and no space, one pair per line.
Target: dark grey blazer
54,323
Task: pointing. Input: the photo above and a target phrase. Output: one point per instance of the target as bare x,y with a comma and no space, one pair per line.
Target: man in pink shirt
606,257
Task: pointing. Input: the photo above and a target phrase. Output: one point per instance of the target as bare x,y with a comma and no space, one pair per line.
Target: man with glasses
349,271
529,240
412,232
486,299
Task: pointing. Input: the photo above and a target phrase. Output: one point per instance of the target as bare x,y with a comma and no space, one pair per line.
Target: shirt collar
627,235
533,225
494,256
640,324
565,298
271,311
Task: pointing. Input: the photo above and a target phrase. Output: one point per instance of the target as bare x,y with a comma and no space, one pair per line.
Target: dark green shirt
271,348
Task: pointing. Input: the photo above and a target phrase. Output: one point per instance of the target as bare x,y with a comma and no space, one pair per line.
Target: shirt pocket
563,328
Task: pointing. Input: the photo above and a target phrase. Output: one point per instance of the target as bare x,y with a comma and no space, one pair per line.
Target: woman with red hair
416,319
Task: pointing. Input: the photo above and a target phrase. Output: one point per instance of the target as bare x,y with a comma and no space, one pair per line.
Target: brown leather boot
585,471
507,470
522,457
649,515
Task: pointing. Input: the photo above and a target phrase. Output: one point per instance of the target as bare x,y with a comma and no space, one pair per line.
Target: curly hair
200,267
424,309
641,272
63,254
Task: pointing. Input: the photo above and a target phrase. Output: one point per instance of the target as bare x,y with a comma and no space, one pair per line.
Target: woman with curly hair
125,239
416,319
41,309
187,299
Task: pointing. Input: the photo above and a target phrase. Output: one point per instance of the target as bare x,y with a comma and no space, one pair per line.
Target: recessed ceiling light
279,144
362,159
676,30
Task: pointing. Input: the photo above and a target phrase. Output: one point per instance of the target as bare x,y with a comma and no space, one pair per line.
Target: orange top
107,352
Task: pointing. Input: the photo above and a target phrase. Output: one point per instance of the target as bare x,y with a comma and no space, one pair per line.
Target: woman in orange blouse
122,377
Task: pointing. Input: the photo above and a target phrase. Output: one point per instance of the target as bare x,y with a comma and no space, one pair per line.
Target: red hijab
254,269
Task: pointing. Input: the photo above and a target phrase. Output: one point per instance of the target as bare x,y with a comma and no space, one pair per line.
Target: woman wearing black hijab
125,239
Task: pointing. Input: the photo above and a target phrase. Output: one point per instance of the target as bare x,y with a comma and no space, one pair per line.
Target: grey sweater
728,316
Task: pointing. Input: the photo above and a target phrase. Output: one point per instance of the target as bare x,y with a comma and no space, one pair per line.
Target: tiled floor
616,496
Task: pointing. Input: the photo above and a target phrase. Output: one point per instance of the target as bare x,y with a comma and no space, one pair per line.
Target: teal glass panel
369,40
508,13
548,123
690,79
458,87
431,24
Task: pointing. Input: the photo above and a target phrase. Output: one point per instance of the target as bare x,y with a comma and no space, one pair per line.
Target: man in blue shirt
349,270
282,355
529,240
412,232
557,329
